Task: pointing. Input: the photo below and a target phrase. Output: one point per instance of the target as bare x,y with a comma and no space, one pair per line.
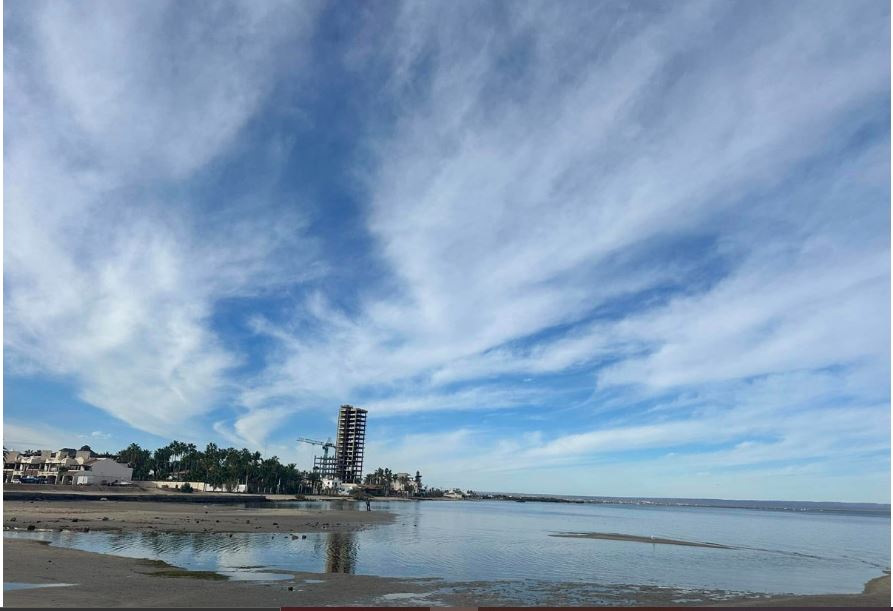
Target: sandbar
638,539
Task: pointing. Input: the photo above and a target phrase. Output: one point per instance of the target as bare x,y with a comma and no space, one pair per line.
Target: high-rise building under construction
349,444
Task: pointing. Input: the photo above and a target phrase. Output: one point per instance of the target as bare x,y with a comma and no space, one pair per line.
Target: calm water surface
774,551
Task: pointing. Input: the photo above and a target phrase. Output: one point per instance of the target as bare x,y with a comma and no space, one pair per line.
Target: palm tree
315,481
190,454
138,459
162,460
211,463
404,481
176,450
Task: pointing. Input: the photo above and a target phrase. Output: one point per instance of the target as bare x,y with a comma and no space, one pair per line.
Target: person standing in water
368,506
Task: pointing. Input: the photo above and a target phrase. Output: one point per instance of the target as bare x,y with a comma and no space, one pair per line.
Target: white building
404,483
197,486
65,466
101,471
347,489
331,485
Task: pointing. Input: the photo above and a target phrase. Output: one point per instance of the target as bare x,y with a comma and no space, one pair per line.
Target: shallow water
771,551
17,585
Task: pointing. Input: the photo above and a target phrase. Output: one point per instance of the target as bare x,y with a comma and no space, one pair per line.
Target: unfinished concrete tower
349,444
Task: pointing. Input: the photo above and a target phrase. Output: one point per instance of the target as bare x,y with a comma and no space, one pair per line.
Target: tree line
224,468
228,468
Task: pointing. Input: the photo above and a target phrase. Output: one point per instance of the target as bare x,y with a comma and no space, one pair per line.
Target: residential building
101,471
65,466
406,484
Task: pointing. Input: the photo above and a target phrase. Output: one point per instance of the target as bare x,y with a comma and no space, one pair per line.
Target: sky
605,248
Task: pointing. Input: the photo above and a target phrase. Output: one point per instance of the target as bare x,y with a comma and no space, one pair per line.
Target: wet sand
109,581
875,594
638,539
151,583
181,517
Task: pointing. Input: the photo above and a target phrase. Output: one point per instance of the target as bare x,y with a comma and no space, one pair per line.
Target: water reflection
773,552
341,552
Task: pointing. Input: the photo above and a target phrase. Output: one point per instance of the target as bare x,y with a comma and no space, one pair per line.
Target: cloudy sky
579,247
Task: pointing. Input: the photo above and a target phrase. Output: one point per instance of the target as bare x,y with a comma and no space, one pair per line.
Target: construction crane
325,445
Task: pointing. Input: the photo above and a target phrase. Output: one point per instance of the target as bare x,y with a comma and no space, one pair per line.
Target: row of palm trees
220,467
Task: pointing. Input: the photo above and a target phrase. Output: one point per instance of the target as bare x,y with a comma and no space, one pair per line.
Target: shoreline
155,583
37,562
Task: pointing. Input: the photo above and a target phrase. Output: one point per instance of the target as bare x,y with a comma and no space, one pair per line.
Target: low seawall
31,495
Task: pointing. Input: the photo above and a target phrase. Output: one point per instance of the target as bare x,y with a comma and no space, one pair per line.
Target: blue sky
580,247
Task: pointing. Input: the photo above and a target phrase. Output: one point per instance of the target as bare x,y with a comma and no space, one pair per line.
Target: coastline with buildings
354,304
185,468
304,528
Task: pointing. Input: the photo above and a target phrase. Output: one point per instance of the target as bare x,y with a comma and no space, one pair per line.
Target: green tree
403,480
138,459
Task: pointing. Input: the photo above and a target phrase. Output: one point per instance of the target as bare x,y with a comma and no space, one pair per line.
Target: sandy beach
180,517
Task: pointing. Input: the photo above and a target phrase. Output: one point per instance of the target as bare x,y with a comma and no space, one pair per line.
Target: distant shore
139,493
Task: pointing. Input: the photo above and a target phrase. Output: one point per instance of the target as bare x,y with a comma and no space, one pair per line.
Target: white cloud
777,428
155,89
762,321
255,426
19,436
525,179
112,280
506,208
442,457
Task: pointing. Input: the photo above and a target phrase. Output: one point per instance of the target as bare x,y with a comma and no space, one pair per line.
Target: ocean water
771,551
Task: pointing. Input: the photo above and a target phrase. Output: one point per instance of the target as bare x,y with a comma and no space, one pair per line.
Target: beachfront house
100,471
407,485
65,466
